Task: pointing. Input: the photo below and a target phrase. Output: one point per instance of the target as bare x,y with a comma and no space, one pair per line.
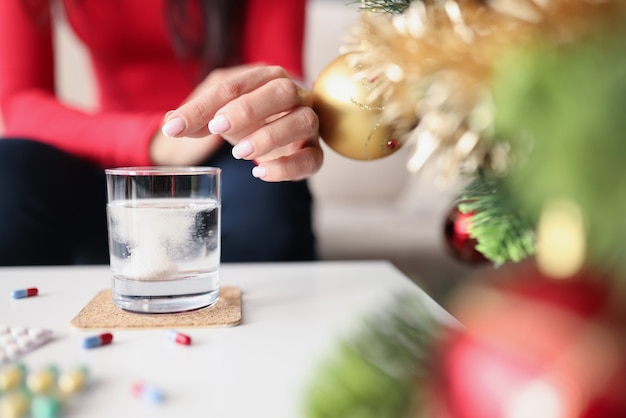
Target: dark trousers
53,210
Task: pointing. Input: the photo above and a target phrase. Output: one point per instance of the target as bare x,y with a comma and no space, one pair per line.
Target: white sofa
363,210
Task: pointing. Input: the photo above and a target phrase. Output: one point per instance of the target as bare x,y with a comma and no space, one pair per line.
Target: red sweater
138,75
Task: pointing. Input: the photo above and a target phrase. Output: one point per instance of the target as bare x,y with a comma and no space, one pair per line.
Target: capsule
178,337
42,381
74,381
98,340
46,406
147,393
13,377
15,404
25,293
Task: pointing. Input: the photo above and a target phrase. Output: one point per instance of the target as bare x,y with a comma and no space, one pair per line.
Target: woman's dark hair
208,32
203,32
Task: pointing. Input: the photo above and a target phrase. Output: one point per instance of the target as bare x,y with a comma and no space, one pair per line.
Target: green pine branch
498,227
383,6
374,374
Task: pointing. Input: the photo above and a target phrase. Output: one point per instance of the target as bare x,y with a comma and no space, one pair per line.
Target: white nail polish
259,172
242,149
219,124
173,127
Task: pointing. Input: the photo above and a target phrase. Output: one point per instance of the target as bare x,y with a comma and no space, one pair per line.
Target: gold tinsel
434,62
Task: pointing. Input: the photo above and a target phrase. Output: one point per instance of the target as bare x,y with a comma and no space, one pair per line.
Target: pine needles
502,233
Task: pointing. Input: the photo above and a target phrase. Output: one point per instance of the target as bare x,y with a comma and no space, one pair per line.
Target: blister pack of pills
16,341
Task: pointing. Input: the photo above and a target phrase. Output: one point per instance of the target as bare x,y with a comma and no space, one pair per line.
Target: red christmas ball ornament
532,346
458,241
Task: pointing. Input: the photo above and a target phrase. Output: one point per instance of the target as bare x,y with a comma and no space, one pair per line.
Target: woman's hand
185,150
263,113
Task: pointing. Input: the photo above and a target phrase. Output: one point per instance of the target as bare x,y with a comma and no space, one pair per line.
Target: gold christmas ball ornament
349,124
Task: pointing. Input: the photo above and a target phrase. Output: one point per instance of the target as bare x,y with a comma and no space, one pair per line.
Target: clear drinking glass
164,237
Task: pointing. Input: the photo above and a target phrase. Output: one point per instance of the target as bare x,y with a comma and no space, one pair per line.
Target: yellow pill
12,377
74,381
14,405
42,381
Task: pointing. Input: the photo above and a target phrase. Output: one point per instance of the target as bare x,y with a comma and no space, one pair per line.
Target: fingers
191,118
264,114
281,158
292,126
296,166
254,109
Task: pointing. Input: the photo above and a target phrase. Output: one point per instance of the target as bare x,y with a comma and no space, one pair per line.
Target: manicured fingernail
242,149
259,172
173,127
219,124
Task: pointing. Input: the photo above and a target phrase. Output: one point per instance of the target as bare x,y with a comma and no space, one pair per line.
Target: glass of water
164,237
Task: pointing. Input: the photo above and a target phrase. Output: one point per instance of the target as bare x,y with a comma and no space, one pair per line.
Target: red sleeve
30,108
274,34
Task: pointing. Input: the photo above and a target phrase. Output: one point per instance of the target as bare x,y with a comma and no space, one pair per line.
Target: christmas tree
525,99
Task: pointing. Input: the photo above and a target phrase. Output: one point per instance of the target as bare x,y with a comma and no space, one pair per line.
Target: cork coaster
101,313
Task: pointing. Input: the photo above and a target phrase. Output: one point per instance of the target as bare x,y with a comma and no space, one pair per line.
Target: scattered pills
24,293
98,340
38,394
148,393
178,337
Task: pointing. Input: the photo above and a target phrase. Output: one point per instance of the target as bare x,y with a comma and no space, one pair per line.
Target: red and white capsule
178,337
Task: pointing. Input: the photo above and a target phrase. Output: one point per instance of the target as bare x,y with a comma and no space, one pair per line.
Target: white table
293,317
